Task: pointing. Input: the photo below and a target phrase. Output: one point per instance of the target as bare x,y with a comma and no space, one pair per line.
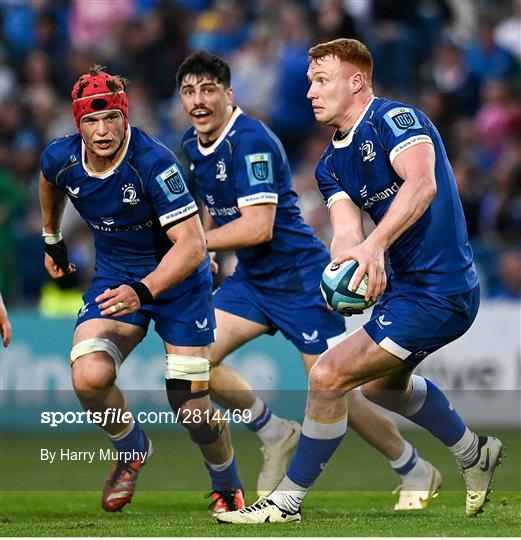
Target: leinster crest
130,194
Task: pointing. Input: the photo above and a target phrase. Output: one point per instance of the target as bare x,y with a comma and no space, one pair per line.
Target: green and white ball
336,286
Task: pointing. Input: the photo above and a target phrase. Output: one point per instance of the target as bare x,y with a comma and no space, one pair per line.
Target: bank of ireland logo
130,194
221,171
367,149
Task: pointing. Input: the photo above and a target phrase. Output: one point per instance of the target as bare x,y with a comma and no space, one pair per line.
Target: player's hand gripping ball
336,287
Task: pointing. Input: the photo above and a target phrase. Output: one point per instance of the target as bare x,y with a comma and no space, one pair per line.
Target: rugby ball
336,286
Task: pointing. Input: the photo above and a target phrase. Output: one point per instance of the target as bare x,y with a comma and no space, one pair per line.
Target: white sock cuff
404,458
222,466
416,399
288,486
125,432
464,443
255,411
319,430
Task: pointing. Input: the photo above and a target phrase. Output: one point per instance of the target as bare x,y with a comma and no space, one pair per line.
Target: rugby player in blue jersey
388,159
242,175
151,264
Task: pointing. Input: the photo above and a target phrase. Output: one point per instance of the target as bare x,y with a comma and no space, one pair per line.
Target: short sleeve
167,190
401,128
50,164
328,183
255,162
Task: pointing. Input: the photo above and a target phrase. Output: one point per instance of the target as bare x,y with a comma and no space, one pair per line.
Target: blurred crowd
457,60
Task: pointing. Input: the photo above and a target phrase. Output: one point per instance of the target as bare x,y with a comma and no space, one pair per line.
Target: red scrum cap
98,91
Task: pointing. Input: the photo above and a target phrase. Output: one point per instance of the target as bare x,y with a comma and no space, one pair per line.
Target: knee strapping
188,368
92,345
179,393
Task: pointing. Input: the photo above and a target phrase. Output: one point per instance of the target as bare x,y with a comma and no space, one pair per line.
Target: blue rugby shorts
183,318
302,318
411,322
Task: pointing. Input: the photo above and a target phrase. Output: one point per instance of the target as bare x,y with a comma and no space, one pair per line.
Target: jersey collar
207,150
106,173
346,141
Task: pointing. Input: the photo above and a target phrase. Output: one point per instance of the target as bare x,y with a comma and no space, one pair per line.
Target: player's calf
187,390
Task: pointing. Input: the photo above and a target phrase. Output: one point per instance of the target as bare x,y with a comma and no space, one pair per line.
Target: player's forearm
342,241
52,204
238,234
207,221
411,202
179,262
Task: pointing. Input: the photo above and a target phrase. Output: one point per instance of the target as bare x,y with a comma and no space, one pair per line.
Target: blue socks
225,477
133,440
317,444
429,408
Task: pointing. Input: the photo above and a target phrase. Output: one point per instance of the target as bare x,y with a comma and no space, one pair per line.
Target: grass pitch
353,498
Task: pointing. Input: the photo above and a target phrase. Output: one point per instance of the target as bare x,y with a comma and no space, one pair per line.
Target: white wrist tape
51,238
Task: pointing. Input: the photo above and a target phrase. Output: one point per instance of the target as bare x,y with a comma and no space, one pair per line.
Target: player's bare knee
95,363
93,373
325,376
192,407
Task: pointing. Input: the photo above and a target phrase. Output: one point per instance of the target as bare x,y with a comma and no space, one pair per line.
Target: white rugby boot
275,460
479,476
417,493
261,511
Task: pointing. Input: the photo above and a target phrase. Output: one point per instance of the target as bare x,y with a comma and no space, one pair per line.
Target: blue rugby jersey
247,165
434,252
127,206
